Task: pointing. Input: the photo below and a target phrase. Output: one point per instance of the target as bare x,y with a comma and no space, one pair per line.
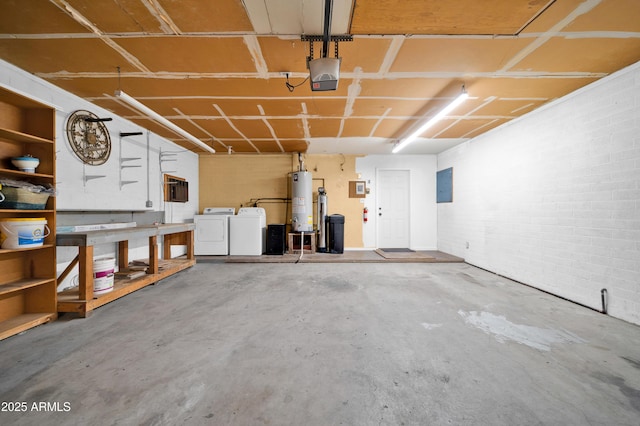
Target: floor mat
397,250
410,255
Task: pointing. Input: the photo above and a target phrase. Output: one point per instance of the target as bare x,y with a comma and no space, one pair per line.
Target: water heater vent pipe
301,167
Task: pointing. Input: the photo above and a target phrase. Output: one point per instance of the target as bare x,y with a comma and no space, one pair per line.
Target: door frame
378,197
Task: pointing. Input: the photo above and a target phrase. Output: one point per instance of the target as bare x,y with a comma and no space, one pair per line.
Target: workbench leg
123,255
85,275
189,242
84,312
153,255
167,242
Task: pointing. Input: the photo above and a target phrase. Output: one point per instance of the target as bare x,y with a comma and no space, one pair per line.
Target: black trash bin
335,233
276,238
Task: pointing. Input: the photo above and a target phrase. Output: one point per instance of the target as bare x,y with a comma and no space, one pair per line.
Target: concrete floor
328,344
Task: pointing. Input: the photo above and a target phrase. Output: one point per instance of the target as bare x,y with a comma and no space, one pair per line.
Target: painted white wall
106,193
553,199
422,187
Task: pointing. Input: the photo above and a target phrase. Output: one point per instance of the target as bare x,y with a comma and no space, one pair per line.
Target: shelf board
68,299
19,173
24,322
23,284
22,137
44,246
30,211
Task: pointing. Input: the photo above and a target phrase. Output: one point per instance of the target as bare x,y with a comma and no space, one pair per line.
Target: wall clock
89,137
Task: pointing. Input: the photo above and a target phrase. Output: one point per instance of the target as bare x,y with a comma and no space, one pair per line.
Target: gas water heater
301,200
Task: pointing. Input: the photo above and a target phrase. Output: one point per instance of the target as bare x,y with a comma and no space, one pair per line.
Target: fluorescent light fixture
433,120
160,119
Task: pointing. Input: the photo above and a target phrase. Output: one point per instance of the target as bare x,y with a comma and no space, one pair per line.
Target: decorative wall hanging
89,137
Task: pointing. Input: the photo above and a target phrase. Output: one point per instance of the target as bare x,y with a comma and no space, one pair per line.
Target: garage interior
446,199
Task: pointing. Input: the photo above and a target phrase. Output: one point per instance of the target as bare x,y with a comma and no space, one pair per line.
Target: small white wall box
324,73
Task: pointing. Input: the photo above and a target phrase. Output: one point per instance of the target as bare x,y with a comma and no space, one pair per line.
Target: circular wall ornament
88,137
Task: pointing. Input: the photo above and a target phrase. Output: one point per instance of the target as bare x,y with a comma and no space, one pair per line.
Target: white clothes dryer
212,231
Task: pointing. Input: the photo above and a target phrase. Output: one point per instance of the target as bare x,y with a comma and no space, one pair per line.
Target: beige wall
238,180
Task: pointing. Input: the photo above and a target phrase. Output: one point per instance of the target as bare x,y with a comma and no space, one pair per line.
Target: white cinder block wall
105,194
553,199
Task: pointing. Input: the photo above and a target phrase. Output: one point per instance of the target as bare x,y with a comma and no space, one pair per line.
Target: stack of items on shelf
22,195
162,264
133,271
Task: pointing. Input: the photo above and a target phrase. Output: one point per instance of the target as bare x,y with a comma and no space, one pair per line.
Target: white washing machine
212,231
248,232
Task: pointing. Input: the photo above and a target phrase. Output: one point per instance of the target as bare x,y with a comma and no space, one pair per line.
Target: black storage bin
276,238
335,233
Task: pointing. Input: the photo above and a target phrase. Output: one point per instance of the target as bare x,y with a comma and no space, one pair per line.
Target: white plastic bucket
103,272
23,232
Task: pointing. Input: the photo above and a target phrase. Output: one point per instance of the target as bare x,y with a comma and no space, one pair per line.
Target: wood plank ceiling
201,64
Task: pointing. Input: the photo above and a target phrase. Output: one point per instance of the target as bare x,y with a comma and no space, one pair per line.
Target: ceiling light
433,120
160,119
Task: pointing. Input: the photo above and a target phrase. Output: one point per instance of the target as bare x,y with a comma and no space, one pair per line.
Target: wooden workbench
82,301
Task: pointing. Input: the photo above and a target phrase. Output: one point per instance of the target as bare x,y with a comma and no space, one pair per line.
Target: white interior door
393,209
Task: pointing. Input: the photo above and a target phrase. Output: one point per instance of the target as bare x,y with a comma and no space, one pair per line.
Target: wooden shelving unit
27,276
